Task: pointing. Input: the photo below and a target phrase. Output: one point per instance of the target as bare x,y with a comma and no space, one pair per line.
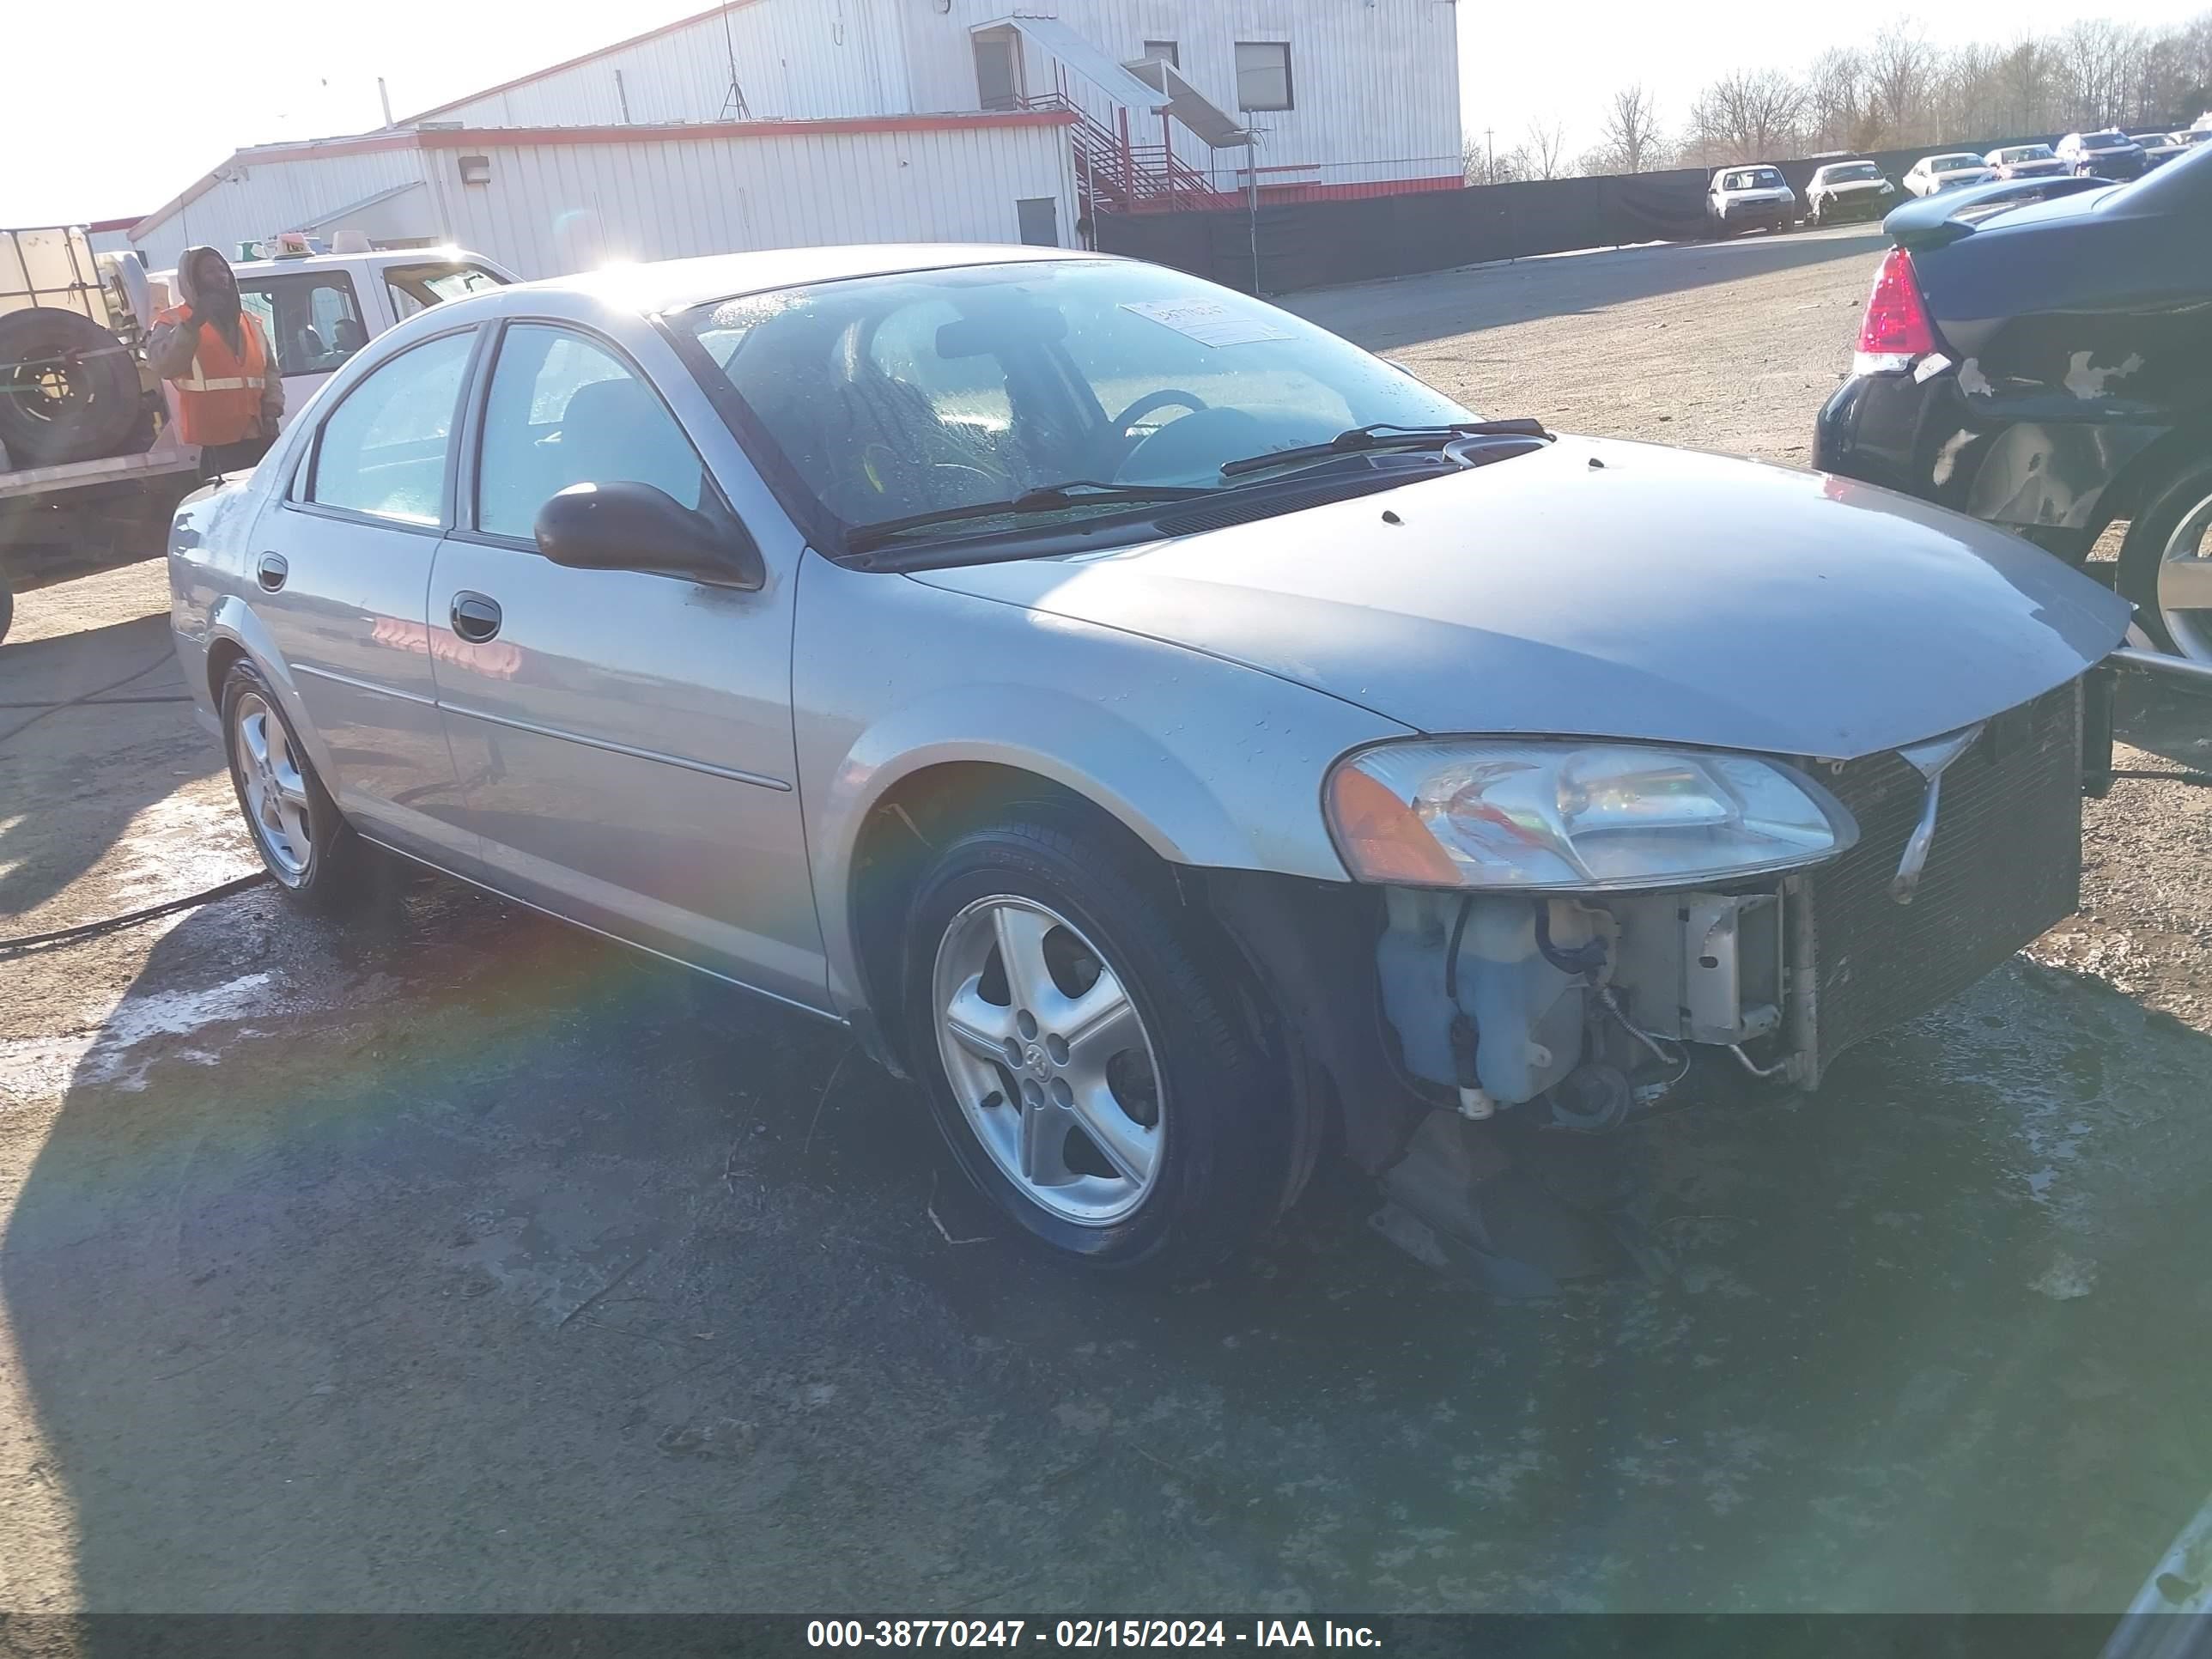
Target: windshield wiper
1045,498
1385,435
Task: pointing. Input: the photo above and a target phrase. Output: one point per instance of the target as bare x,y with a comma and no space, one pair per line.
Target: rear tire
1157,1139
2174,528
69,390
306,845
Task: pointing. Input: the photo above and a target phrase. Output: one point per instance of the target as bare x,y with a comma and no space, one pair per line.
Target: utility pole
385,98
1489,148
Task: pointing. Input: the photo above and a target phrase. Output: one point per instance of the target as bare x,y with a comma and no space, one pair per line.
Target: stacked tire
68,389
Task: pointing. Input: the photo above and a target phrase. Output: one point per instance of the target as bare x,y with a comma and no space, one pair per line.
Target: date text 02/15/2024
1077,1634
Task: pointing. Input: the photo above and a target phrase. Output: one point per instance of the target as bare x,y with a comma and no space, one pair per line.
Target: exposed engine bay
1954,861
1507,999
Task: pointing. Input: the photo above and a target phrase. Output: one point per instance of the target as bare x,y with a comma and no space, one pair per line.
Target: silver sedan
1175,738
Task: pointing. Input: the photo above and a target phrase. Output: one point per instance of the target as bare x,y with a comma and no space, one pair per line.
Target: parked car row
1756,197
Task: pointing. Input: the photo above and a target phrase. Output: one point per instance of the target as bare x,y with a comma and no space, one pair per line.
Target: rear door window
383,450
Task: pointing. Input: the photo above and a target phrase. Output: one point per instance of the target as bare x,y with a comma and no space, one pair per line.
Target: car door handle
271,569
476,617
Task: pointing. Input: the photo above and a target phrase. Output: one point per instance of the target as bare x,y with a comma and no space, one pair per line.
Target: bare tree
1898,72
1631,131
1968,102
1839,114
2097,68
1897,91
1547,149
2192,50
1752,115
2026,86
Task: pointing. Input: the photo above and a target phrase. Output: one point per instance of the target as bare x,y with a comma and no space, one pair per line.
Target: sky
124,136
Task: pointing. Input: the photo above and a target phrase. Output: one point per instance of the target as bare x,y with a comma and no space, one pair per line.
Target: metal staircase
1114,175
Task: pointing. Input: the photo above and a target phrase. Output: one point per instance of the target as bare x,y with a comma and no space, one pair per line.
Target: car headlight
1573,815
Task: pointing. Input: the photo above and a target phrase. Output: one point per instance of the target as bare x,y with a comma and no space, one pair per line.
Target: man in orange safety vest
230,388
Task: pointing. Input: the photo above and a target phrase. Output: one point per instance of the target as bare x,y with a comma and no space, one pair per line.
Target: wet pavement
452,1259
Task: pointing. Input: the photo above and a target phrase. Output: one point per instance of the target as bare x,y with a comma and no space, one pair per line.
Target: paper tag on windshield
1209,322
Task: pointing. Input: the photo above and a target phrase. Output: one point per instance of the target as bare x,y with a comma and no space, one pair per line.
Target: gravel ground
452,1259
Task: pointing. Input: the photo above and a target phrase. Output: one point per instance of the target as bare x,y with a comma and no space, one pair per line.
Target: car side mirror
637,526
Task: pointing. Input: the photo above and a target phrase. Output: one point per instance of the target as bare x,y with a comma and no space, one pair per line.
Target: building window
1038,217
1263,74
1163,50
997,69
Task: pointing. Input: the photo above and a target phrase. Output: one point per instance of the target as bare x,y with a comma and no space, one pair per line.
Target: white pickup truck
62,517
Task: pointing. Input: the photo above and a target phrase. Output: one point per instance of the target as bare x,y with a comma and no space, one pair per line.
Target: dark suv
2107,155
2039,354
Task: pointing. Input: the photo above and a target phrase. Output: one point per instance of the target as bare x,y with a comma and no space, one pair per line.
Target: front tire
2166,562
1073,1030
305,843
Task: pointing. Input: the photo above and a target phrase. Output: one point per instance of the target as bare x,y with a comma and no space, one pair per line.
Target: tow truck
92,467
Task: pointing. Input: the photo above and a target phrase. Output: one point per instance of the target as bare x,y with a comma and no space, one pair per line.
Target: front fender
1208,763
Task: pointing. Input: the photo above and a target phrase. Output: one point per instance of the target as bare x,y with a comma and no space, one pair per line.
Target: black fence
1298,244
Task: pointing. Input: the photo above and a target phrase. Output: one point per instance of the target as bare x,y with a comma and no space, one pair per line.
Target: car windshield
889,397
1752,178
1954,163
417,287
2025,152
2104,140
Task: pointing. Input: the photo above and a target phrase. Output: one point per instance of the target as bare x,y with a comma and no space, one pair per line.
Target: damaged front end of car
1556,932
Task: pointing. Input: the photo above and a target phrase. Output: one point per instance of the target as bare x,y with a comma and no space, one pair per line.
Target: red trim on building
98,226
1295,190
590,57
1302,192
843,125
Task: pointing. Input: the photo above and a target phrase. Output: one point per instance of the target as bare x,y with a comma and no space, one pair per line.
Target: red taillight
1896,324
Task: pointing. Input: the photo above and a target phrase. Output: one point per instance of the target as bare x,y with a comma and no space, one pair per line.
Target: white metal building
767,122
544,201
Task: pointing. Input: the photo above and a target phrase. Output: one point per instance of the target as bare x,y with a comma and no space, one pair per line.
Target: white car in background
1933,173
2159,148
1849,190
1751,198
2025,161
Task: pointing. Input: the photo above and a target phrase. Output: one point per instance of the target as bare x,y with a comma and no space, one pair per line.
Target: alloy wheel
275,786
2185,583
1049,1060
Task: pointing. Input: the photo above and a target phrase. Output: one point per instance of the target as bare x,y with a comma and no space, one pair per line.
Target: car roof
442,254
1951,156
674,284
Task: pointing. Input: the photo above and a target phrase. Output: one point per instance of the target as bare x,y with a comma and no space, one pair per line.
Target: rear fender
232,623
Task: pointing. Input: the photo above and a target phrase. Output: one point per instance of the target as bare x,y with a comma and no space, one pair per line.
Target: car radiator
2005,865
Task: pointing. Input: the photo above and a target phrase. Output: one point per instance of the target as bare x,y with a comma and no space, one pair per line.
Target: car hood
1611,589
1765,193
1848,186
